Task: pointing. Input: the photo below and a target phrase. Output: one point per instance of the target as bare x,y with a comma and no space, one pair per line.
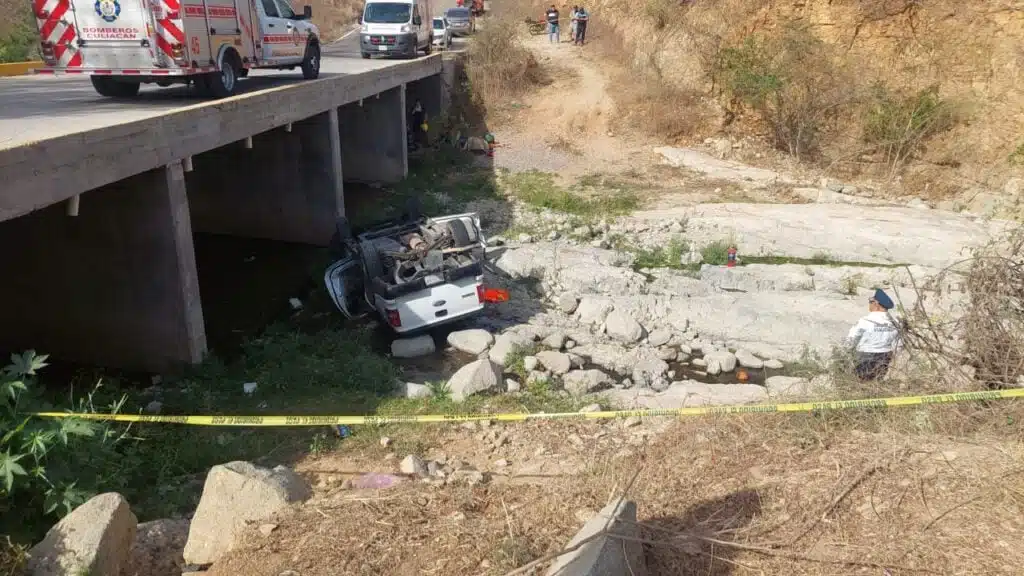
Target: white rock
557,362
473,378
659,337
712,366
590,408
154,407
748,360
580,382
413,465
506,344
667,354
684,394
158,547
622,327
568,302
474,341
95,538
701,363
774,364
525,238
512,386
234,495
592,311
538,377
685,349
414,390
555,341
726,360
648,370
530,363
412,347
788,386
570,344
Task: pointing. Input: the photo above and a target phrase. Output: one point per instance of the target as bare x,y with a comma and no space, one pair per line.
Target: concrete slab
605,556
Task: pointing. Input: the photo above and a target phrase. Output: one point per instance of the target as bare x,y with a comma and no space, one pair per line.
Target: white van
401,27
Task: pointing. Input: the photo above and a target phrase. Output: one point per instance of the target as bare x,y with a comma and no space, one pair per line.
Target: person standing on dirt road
572,23
875,338
582,17
552,18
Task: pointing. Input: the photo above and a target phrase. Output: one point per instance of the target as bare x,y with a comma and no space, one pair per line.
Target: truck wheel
365,55
111,87
459,233
223,83
372,265
311,63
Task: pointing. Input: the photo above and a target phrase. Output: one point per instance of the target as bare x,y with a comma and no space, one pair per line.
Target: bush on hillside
497,64
19,42
791,80
899,124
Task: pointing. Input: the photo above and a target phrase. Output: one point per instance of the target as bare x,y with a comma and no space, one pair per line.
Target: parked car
461,21
415,272
396,27
442,33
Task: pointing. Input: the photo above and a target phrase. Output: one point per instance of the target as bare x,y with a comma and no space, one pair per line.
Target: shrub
899,124
791,80
19,42
716,253
497,64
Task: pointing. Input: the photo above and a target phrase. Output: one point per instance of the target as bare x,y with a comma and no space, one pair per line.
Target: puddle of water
687,371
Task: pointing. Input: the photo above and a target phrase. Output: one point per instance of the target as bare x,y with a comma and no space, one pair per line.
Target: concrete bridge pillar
373,139
115,285
287,186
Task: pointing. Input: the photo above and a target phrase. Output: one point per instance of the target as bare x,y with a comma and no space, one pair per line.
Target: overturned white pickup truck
416,272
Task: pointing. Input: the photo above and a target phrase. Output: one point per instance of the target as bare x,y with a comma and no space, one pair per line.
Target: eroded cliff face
973,51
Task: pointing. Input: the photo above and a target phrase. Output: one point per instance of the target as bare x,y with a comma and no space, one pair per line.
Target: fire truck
211,44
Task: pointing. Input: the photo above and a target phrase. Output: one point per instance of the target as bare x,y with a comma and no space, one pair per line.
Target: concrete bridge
99,199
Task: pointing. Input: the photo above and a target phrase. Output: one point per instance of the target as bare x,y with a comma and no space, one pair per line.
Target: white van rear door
116,35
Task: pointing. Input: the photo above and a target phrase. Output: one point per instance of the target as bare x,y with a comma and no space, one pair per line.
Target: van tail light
47,52
491,295
394,318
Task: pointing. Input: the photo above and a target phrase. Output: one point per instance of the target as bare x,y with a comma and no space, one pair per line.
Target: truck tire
223,83
111,87
460,234
311,62
373,267
365,55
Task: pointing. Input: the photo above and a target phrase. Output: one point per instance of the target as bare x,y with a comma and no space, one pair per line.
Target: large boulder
648,371
474,341
725,360
412,347
235,494
567,302
557,362
748,360
506,344
580,382
622,327
592,311
158,548
95,538
475,377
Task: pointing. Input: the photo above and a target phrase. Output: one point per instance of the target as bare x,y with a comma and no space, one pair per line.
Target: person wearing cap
875,338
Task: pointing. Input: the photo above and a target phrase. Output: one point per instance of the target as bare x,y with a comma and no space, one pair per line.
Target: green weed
670,256
1017,157
540,190
899,124
20,43
717,253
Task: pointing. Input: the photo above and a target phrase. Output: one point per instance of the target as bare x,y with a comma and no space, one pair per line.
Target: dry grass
334,17
928,490
498,66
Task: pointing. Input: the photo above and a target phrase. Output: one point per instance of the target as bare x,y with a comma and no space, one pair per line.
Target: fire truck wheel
223,83
110,87
311,62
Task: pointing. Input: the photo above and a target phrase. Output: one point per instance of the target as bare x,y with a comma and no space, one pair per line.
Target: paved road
34,108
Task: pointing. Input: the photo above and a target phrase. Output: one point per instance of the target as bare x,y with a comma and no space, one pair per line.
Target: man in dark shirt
552,17
582,17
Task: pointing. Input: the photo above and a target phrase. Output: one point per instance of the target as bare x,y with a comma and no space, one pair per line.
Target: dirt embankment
840,55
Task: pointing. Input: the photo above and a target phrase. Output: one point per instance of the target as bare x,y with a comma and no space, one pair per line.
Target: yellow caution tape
519,417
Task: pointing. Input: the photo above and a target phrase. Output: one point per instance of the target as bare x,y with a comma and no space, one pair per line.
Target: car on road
396,27
442,33
461,20
415,272
210,45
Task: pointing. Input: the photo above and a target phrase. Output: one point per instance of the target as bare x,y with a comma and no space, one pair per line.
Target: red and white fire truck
121,44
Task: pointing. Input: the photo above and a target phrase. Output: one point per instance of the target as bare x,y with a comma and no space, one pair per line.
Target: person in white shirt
875,338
